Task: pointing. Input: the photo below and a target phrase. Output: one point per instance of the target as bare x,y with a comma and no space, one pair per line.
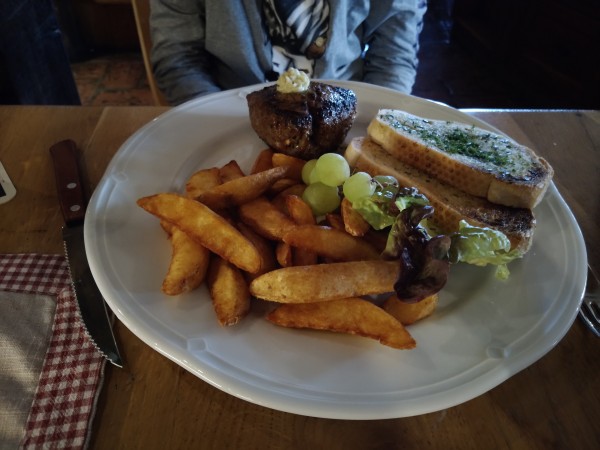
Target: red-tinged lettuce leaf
424,260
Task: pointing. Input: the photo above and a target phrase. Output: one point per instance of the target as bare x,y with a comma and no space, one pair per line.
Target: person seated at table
34,65
203,46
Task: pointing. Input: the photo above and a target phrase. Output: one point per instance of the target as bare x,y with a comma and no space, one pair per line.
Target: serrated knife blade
91,304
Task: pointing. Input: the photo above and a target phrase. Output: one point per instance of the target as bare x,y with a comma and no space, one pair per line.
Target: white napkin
51,373
25,331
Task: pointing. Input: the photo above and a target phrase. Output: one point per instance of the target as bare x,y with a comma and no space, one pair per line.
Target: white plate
483,332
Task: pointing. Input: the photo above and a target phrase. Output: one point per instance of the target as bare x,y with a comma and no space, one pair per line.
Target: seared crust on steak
306,124
450,205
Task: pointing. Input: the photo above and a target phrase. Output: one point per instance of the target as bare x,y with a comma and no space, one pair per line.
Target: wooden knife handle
68,181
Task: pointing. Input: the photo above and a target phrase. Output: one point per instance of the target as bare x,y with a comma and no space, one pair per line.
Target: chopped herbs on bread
477,161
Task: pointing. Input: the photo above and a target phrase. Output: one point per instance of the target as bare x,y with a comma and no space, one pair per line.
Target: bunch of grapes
325,176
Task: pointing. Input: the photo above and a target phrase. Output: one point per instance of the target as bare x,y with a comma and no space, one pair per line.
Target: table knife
72,200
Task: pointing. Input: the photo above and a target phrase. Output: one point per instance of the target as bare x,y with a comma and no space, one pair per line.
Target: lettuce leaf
382,208
423,260
373,212
482,246
425,253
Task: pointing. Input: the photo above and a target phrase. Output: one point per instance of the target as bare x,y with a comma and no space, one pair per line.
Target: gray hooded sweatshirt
203,46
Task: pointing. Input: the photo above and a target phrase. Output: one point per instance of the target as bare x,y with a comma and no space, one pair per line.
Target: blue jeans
34,66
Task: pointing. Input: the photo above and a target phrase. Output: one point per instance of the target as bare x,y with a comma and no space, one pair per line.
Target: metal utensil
590,307
92,308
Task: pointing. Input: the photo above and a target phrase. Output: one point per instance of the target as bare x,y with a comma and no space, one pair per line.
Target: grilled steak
306,124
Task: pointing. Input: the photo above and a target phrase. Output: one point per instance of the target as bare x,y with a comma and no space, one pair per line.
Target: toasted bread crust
450,204
469,158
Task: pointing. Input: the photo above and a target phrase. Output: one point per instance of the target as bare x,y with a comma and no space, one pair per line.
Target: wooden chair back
141,10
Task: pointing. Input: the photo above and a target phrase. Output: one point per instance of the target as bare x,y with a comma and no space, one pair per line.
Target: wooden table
153,403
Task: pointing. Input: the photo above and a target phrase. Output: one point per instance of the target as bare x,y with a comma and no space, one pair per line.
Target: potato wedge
335,221
295,164
409,313
189,262
168,227
334,244
302,257
284,255
202,181
241,190
206,227
279,199
302,214
324,282
354,223
299,210
228,291
350,315
263,161
264,247
265,218
281,185
231,171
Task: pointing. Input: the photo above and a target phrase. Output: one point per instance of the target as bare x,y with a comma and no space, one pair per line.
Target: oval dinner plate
483,332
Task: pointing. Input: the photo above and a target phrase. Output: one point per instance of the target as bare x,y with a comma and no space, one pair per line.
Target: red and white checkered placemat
72,373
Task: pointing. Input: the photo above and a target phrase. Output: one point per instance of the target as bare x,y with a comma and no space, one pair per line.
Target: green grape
358,185
313,177
386,180
321,198
308,172
332,169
